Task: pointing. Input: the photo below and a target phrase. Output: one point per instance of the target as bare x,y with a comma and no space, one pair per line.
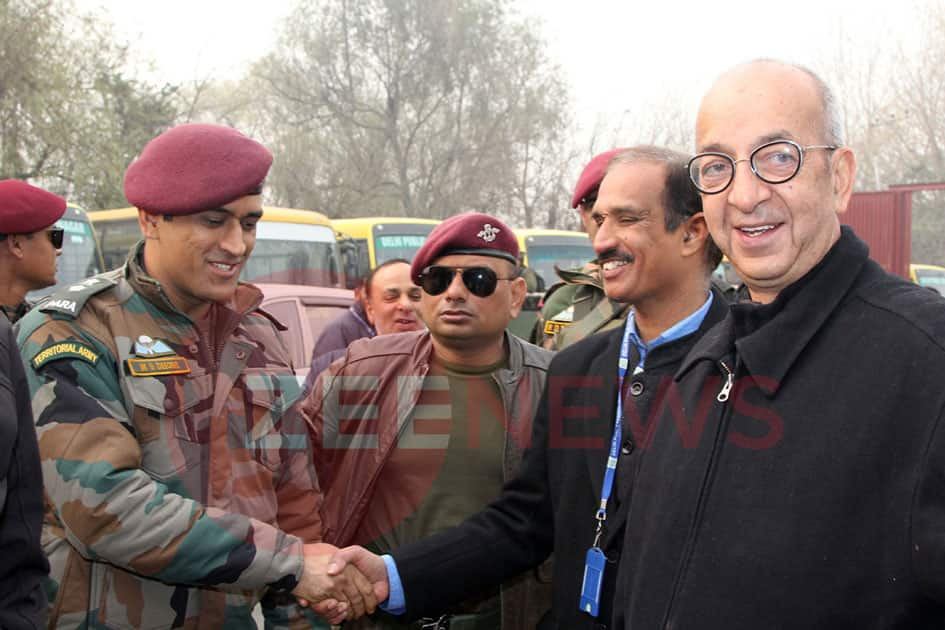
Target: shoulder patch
70,300
65,350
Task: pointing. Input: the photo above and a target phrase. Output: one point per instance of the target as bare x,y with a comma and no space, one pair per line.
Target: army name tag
158,367
553,327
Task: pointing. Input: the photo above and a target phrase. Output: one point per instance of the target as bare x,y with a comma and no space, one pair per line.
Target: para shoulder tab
70,300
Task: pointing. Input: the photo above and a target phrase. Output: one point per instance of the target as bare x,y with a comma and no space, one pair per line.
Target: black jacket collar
769,338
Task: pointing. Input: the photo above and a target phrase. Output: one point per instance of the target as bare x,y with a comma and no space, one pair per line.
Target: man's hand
336,596
370,565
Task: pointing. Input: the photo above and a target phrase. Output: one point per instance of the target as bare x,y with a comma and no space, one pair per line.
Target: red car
305,310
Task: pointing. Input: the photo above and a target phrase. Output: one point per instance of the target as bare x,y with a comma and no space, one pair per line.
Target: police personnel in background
577,306
29,243
179,489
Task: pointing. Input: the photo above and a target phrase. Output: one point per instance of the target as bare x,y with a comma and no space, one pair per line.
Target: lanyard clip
601,517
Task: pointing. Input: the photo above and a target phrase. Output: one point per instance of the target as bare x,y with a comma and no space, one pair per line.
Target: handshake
341,584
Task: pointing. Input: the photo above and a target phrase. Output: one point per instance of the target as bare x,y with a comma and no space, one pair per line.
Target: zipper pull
729,381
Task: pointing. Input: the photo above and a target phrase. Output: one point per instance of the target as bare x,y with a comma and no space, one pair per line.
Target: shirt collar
678,330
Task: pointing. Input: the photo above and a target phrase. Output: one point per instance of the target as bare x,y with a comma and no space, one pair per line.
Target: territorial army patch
65,350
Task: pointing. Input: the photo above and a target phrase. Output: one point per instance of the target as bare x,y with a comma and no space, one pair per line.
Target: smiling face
773,233
640,260
198,258
392,299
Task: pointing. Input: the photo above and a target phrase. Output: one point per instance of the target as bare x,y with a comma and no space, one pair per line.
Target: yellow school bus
543,249
81,255
369,241
292,246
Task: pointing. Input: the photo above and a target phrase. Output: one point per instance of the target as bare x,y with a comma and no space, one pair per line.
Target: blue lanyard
611,469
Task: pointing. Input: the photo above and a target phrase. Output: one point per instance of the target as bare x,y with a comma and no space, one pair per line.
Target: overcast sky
614,53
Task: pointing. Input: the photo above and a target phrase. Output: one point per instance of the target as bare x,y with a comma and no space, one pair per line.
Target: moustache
613,254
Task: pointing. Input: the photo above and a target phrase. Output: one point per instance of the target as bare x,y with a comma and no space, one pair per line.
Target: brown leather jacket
381,379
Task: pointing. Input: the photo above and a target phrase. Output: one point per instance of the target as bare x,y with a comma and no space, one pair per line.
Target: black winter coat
551,504
813,494
22,562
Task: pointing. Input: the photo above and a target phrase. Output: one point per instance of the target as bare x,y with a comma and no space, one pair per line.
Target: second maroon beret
469,233
592,175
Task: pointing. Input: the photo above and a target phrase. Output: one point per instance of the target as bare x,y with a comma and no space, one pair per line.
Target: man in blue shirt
655,253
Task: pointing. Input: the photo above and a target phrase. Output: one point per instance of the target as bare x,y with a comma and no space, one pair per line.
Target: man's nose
747,190
234,239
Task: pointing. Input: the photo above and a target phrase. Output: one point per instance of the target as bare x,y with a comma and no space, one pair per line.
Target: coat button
627,447
636,388
240,355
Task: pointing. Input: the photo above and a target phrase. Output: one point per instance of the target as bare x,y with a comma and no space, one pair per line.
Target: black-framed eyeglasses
773,162
56,235
481,281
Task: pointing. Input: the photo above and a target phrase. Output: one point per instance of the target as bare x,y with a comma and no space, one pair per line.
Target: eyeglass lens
775,163
481,281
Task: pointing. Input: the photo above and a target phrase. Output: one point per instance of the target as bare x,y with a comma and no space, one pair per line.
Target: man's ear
519,291
14,244
843,173
694,235
149,224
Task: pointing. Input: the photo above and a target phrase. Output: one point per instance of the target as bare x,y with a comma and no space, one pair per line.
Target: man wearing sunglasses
29,243
415,431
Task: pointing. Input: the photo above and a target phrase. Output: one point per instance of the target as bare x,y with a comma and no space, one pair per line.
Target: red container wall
884,221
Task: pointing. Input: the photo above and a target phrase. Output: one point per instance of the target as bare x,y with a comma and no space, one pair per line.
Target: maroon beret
195,167
592,175
25,208
469,233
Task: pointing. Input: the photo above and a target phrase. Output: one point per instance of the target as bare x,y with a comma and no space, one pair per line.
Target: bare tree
70,117
415,107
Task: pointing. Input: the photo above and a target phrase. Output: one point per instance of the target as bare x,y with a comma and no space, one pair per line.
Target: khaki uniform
179,488
576,308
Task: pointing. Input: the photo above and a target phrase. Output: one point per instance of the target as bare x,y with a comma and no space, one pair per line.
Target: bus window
117,237
81,256
545,249
391,246
380,239
293,253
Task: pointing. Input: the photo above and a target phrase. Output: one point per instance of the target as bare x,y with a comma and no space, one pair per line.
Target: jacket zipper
721,397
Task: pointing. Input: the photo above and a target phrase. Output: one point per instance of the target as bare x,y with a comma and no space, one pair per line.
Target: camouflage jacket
576,308
178,485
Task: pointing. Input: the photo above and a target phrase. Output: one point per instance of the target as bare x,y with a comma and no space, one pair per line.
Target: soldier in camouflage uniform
577,307
179,487
29,244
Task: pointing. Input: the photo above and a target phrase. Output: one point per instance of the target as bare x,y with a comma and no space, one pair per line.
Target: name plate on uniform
158,366
553,328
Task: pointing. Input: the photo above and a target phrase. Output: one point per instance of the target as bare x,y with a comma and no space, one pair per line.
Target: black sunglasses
56,235
481,281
